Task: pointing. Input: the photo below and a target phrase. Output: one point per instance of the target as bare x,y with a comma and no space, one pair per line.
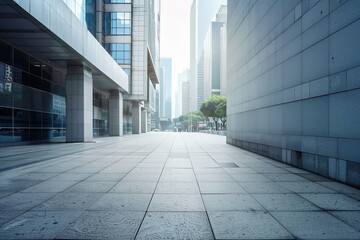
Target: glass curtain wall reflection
32,99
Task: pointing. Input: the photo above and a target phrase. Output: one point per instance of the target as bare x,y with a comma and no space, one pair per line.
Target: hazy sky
175,34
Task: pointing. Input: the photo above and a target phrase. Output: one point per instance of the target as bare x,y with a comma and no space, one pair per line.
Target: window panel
117,23
21,118
121,52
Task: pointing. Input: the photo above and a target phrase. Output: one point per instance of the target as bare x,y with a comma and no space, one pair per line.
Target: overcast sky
175,34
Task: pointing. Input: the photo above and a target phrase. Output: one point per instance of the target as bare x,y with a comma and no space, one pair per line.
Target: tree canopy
215,108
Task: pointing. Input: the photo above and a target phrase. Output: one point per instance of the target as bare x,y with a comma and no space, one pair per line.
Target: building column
79,104
136,115
144,121
115,113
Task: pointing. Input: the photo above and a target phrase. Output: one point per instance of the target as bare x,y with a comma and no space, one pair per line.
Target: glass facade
78,8
117,23
91,16
121,52
100,113
117,1
32,98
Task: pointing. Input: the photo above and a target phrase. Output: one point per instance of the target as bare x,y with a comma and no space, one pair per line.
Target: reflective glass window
6,94
117,23
5,117
21,96
35,119
21,134
127,71
21,60
117,1
6,135
47,120
21,118
6,53
35,100
121,52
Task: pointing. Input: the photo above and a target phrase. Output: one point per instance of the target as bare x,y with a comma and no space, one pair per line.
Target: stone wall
294,83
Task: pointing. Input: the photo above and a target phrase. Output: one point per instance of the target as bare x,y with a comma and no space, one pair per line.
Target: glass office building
57,82
32,98
129,31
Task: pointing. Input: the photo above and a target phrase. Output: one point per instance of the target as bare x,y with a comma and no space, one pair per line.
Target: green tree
213,108
191,118
221,111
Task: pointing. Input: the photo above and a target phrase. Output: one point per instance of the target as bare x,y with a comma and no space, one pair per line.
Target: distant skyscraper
166,64
185,97
182,77
201,14
200,81
212,47
223,61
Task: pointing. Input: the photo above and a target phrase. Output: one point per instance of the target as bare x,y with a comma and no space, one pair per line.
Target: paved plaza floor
166,186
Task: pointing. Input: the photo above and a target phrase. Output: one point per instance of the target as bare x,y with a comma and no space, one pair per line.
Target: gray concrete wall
294,83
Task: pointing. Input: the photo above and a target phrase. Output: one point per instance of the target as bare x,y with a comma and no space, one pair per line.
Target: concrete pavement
167,186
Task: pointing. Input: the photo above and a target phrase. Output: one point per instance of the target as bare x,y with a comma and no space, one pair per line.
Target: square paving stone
339,187
35,176
284,202
305,187
23,201
214,177
70,201
16,186
38,225
106,177
150,165
118,168
50,187
240,177
228,165
209,170
314,177
176,202
181,165
273,170
4,194
175,225
75,177
246,225
230,202
220,187
141,177
333,201
242,170
350,217
146,170
177,187
134,187
91,187
6,216
289,177
263,187
123,202
177,177
315,225
104,225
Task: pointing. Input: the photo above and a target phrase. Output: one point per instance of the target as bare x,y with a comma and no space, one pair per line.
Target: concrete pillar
79,104
115,113
136,118
144,121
